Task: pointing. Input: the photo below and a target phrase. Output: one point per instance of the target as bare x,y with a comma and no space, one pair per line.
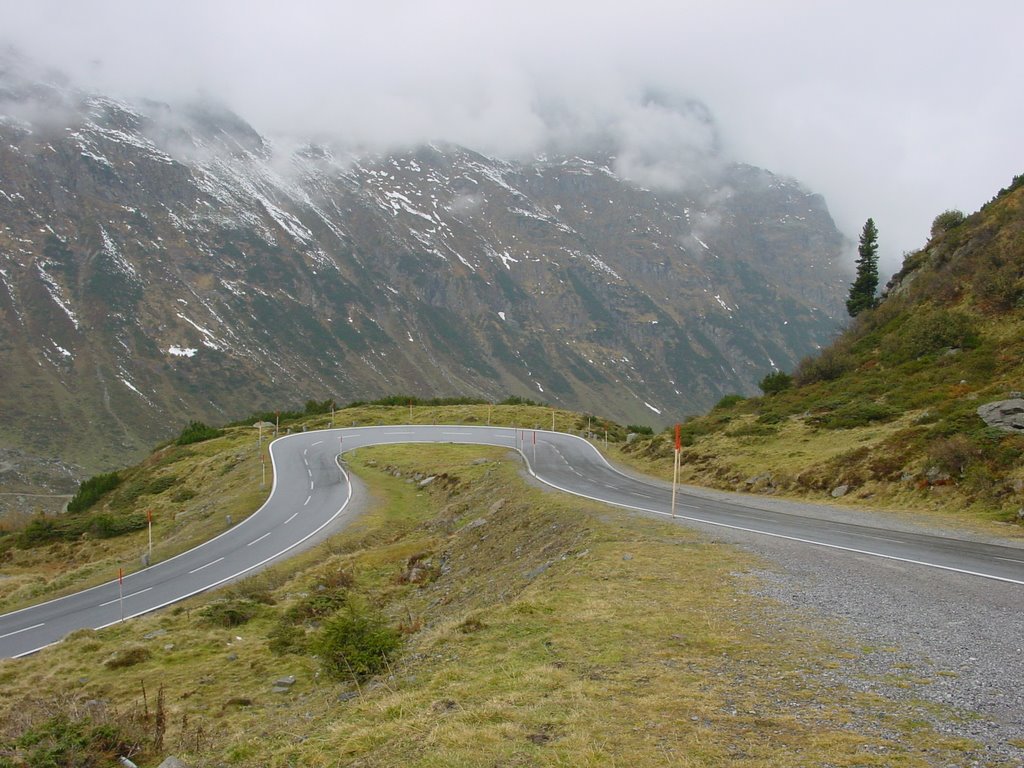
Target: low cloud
891,110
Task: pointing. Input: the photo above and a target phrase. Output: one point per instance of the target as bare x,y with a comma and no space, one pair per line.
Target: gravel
918,634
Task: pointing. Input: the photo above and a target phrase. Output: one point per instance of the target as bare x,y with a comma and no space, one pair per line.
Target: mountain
164,263
917,404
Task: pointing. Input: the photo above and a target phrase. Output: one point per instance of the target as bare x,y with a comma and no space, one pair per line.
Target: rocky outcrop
1007,415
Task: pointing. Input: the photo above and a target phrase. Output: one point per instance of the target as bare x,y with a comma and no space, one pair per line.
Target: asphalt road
311,491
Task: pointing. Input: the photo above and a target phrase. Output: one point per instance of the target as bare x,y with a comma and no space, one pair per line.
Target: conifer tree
862,292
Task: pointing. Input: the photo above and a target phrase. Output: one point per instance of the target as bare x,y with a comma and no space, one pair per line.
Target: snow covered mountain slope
160,264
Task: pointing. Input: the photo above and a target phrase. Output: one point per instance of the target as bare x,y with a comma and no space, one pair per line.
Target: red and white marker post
675,469
149,521
120,590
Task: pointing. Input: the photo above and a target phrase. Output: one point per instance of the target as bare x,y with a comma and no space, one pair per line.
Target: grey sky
895,109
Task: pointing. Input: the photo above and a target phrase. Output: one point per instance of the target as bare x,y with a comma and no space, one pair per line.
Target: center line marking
307,500
19,631
290,518
133,594
318,442
261,538
196,570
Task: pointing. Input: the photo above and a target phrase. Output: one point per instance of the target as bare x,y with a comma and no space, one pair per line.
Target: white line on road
196,570
261,538
311,485
133,594
19,631
307,500
1009,559
290,518
318,442
399,433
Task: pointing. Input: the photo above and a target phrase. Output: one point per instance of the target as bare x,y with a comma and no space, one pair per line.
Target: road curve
311,490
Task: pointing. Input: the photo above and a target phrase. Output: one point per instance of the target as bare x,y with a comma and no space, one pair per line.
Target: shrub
929,331
286,637
946,221
61,740
92,490
776,382
856,414
128,657
640,429
196,432
953,454
229,613
109,526
728,402
355,643
827,366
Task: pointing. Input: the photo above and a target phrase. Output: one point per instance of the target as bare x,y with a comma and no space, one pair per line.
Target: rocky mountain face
160,264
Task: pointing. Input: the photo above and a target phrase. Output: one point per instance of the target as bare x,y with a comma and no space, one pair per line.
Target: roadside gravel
917,635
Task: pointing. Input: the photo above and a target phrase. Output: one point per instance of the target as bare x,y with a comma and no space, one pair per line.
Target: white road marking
1009,559
133,594
311,485
261,538
318,442
294,514
19,631
307,500
197,570
399,433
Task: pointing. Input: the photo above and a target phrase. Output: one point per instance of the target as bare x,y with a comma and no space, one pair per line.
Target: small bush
109,526
728,402
196,432
929,331
286,637
92,490
640,429
946,221
128,657
827,366
61,740
953,454
856,414
776,382
229,613
355,643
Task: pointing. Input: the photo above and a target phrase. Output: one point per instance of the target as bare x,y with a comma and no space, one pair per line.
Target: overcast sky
894,109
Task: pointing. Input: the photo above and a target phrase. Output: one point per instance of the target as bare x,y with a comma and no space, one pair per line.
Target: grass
547,631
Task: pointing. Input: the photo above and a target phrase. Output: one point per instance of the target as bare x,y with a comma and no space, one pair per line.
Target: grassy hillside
192,489
887,415
514,626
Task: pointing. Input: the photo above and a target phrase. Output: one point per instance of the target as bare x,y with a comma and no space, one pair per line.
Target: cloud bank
891,110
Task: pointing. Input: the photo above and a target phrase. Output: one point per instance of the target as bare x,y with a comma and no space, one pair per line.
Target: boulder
1007,415
173,762
839,491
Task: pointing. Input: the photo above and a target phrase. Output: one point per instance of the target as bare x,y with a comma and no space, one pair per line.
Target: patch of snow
652,408
501,315
177,351
53,288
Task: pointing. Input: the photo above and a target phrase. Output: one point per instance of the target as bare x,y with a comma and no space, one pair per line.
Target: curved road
311,490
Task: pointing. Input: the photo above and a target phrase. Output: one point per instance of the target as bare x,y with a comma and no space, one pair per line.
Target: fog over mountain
891,110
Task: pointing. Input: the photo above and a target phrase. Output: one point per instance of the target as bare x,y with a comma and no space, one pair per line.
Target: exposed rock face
161,264
1007,415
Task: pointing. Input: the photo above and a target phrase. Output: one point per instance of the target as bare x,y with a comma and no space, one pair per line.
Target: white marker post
149,520
535,447
552,419
675,470
120,590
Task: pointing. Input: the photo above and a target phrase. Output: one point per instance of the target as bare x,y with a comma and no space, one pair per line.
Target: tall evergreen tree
862,292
